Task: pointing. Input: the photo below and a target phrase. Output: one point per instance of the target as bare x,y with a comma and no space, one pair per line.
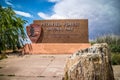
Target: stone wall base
55,48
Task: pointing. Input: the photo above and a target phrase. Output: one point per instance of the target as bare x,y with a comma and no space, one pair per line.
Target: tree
11,28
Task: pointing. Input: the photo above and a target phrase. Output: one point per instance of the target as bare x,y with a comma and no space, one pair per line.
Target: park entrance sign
58,36
59,31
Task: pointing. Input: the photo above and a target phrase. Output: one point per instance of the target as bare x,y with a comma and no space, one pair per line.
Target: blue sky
103,15
28,9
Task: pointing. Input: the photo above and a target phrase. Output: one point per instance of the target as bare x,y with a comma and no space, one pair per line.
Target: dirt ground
37,67
116,69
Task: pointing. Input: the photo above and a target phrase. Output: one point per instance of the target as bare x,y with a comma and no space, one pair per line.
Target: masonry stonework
59,31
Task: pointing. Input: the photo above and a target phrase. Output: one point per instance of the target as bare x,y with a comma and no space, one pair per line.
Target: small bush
115,48
92,42
116,58
112,40
109,39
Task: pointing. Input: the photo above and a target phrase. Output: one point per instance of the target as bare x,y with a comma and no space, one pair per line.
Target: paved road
37,67
33,67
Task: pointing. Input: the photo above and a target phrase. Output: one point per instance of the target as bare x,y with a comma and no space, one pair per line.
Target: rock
93,63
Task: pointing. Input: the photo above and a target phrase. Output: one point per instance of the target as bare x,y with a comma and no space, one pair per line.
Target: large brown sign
59,31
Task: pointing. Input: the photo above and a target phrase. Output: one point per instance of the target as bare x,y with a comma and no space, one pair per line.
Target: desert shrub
112,40
109,39
116,58
115,48
92,42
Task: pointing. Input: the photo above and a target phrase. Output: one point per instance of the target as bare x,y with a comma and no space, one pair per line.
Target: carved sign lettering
61,31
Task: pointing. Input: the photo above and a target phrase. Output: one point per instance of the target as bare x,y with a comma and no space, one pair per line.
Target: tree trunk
93,63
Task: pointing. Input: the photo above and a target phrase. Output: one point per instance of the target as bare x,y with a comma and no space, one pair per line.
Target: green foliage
115,48
92,42
116,58
112,40
11,28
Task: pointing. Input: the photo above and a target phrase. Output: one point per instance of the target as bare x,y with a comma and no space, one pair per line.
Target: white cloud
25,14
53,0
81,9
8,2
42,15
102,14
45,16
